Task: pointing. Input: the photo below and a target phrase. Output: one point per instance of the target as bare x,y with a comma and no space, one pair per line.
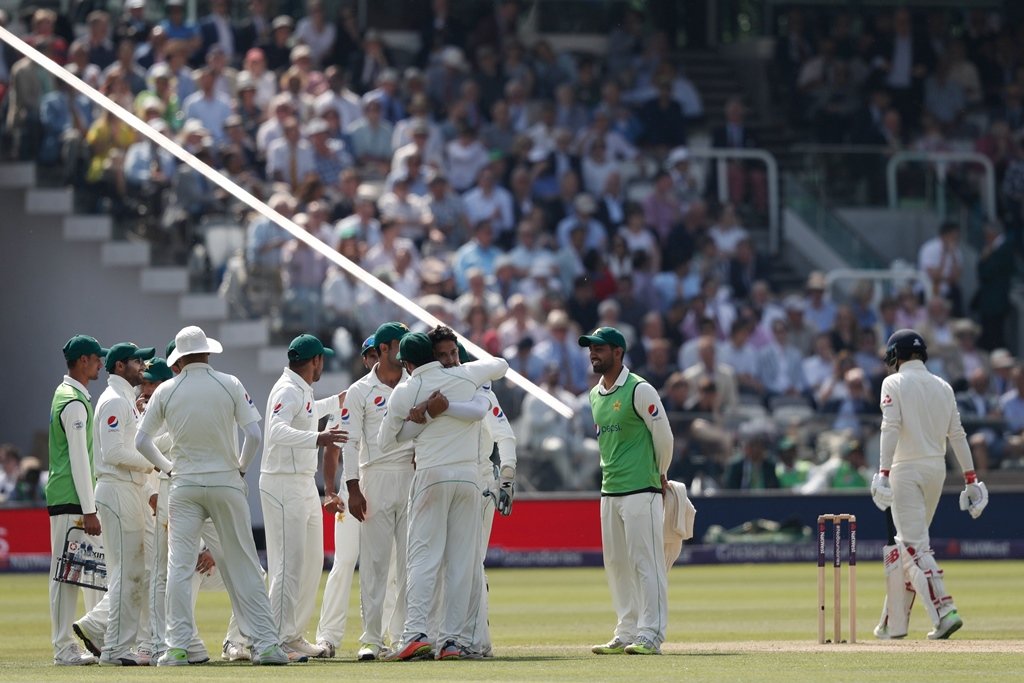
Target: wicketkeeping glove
506,491
881,492
974,498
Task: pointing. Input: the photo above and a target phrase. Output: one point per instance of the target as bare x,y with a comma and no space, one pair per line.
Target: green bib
60,487
628,463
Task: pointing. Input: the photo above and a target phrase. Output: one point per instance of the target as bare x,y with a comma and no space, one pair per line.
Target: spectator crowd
524,194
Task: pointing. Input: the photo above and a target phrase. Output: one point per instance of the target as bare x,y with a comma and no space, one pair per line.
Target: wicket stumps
837,535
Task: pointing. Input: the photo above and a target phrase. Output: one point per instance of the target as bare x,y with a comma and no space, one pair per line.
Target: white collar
77,385
619,381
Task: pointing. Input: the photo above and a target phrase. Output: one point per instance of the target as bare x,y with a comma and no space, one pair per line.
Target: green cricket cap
127,351
82,345
389,332
604,335
463,353
368,345
306,346
171,345
415,348
157,371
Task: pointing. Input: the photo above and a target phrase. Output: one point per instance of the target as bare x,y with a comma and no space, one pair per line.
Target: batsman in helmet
919,414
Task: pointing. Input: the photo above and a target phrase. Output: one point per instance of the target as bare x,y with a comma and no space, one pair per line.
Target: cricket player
498,490
444,513
378,480
636,448
291,503
334,610
919,414
70,500
122,502
202,409
206,577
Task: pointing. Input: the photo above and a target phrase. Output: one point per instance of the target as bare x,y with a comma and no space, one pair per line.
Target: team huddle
157,472
427,456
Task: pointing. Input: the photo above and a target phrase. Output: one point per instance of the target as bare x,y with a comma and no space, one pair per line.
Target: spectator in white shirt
290,158
941,259
819,367
490,201
595,235
316,32
727,232
406,209
207,105
466,157
738,353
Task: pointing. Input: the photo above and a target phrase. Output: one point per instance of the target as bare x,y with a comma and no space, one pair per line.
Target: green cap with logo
82,345
306,346
604,335
389,332
157,371
127,351
415,348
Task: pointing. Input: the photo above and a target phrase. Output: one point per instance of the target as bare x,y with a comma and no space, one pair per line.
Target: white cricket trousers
632,542
123,509
338,589
294,525
480,634
916,489
221,497
444,531
158,578
382,540
64,596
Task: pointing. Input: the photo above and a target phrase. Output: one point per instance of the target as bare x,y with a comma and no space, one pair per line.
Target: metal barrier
772,167
941,160
893,274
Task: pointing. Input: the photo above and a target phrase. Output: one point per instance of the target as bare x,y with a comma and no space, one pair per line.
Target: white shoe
328,650
643,646
73,656
882,633
93,640
198,655
234,652
303,646
174,656
273,655
948,625
615,646
369,652
145,652
127,659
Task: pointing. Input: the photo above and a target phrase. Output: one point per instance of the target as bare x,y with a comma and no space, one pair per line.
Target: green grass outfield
727,623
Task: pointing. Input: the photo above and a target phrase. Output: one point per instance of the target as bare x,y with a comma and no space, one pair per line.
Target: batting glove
881,492
974,498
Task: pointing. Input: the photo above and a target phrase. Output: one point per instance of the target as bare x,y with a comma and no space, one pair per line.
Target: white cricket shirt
918,414
366,403
289,441
201,409
115,422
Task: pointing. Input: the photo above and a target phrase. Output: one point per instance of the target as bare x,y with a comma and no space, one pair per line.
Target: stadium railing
941,161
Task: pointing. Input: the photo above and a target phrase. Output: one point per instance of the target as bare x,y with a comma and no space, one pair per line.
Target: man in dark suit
901,62
754,468
255,29
747,180
745,268
996,268
216,29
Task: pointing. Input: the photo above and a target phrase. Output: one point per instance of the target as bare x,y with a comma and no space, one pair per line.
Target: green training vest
60,487
628,462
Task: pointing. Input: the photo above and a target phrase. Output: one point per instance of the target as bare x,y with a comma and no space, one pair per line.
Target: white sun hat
191,340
